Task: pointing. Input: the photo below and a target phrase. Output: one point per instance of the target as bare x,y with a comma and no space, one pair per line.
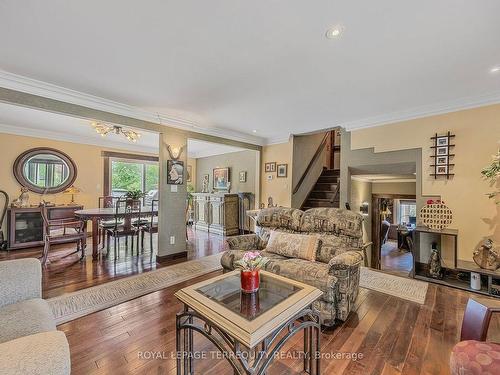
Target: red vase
249,281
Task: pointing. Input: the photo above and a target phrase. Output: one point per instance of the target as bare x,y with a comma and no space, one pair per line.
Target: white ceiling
231,67
35,123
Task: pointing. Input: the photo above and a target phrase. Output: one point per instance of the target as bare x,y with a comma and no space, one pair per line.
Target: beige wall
477,134
236,161
279,189
361,191
87,158
407,188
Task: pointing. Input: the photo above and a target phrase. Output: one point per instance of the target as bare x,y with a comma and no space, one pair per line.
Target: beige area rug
401,287
74,305
86,301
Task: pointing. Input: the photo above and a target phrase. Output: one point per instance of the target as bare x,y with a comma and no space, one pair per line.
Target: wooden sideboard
25,227
217,213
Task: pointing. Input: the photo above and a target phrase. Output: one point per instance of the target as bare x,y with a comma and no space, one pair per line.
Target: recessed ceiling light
495,69
334,32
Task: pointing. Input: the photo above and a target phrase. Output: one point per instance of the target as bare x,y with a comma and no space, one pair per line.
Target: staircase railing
336,192
316,155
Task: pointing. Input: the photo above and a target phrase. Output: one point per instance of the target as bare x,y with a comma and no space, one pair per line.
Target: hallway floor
395,261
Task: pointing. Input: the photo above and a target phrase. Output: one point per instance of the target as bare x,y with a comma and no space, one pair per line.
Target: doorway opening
393,225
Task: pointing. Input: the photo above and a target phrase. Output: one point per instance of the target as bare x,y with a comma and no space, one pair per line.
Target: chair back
154,204
45,218
126,206
477,318
107,201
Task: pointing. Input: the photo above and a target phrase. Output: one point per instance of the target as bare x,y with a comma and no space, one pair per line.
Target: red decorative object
249,304
250,280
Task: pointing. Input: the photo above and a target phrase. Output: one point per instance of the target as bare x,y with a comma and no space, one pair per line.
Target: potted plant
134,196
491,173
250,265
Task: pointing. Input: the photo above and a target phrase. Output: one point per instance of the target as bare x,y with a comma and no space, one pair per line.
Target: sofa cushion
284,218
293,245
332,220
45,353
25,318
333,245
311,273
475,357
231,256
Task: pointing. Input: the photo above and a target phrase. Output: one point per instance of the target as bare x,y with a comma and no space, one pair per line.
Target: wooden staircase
326,191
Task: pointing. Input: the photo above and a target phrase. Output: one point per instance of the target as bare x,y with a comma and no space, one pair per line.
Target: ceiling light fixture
104,129
495,69
334,32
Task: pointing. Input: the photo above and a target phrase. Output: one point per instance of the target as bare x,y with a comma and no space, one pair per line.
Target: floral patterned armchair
336,268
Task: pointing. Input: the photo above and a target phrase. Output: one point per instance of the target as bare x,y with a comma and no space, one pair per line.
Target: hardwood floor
395,261
393,336
67,273
389,335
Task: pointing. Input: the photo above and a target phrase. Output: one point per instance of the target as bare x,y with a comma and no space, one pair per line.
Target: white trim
35,87
31,86
64,137
277,140
424,111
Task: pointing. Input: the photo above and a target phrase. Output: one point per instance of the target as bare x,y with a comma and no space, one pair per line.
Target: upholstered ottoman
475,358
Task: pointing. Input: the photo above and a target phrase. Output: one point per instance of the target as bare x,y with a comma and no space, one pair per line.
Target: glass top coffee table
240,323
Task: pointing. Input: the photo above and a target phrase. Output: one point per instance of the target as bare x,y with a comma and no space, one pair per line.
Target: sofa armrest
346,268
245,242
348,258
20,279
42,353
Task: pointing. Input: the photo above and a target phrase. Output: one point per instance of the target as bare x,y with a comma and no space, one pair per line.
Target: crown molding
424,111
64,137
31,86
277,140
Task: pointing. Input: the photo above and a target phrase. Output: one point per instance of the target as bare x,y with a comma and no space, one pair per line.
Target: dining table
95,215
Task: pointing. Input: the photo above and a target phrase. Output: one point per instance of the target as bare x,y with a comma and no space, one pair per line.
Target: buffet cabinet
25,226
217,213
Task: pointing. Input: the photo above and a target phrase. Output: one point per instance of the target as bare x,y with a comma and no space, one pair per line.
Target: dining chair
126,209
63,230
151,227
107,201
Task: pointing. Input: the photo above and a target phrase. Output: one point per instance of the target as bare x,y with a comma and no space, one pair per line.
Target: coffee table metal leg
307,351
307,321
178,346
317,352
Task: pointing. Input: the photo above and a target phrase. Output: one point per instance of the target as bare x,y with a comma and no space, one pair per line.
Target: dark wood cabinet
25,227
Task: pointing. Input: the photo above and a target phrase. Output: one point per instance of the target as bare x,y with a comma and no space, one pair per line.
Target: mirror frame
26,155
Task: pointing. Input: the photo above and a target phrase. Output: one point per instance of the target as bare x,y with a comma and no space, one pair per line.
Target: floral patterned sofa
338,258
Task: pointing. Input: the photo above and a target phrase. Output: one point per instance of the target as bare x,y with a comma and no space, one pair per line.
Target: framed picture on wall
442,141
175,172
442,169
189,173
270,167
282,170
442,160
220,178
243,176
442,150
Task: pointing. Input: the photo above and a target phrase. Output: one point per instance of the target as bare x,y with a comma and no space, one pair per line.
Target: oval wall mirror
45,170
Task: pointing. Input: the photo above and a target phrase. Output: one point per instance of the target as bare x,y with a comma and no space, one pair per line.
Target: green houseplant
492,173
134,195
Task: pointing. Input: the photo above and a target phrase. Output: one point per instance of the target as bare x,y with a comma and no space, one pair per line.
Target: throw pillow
293,245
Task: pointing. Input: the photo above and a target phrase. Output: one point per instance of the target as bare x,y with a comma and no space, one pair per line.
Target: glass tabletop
227,293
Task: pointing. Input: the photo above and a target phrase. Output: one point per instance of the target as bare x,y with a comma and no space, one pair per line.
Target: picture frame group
281,170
